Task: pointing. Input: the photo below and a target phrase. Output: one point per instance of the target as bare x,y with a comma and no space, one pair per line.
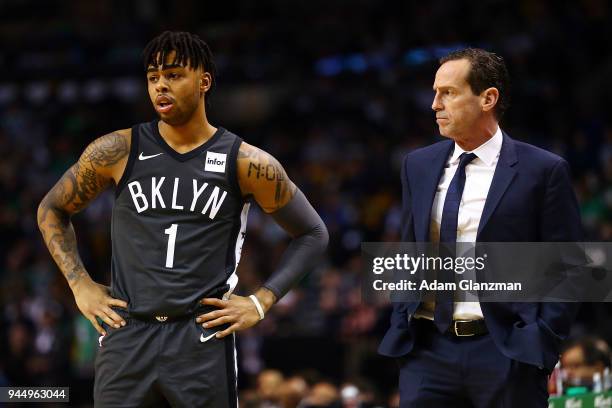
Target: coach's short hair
487,70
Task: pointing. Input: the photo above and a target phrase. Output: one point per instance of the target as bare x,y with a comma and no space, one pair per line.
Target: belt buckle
457,331
161,318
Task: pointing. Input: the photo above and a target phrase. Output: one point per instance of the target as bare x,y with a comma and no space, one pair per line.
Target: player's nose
161,86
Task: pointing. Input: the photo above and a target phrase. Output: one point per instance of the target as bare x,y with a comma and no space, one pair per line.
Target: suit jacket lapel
503,176
427,185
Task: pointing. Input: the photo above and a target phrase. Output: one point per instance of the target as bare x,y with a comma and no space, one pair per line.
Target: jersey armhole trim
233,168
130,163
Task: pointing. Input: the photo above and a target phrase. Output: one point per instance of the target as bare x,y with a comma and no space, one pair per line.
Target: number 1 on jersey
171,232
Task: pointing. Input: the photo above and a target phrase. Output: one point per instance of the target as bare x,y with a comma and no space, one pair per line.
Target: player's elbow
321,236
42,214
47,209
316,239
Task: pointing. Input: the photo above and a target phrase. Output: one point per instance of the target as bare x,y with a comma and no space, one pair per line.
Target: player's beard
179,115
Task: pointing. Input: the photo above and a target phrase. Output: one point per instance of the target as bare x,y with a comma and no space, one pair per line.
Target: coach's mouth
163,104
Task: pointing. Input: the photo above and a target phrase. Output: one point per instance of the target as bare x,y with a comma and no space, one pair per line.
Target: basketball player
182,195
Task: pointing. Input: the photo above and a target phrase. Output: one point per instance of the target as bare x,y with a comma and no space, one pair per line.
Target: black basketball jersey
178,223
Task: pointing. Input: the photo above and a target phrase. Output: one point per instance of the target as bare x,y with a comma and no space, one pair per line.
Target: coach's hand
94,300
238,311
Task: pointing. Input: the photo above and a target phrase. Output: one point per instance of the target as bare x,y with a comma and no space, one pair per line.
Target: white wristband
258,306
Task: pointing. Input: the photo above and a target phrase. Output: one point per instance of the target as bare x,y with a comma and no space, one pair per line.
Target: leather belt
461,328
468,328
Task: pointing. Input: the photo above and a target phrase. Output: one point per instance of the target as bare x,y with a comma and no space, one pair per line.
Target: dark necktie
443,312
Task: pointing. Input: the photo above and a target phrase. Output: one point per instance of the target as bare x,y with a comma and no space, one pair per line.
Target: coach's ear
489,98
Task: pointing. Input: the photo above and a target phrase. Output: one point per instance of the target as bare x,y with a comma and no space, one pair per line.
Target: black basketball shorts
172,363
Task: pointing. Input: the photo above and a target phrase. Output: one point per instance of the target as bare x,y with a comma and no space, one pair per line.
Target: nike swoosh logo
205,339
143,157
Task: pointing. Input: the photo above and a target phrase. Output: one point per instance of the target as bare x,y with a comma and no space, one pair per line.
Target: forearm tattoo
72,193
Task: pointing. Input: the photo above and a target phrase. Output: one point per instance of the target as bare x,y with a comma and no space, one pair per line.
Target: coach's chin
480,186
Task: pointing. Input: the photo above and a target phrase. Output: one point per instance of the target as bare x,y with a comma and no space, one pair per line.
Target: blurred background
339,92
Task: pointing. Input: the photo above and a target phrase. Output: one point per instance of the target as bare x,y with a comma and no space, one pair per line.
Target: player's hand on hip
94,300
238,311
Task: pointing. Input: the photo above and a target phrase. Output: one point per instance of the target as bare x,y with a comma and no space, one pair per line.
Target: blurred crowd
339,92
584,366
274,390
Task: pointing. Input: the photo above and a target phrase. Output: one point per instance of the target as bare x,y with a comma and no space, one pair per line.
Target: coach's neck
477,135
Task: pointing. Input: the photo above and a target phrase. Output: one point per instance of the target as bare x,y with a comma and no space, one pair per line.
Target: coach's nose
436,104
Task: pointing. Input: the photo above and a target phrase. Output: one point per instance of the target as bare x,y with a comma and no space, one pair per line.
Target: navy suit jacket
530,200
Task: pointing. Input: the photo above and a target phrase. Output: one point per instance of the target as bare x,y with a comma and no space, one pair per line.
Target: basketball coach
481,185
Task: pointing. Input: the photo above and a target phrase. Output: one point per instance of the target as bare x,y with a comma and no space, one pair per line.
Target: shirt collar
487,152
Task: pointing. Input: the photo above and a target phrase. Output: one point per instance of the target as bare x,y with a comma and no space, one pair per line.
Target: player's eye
152,78
173,75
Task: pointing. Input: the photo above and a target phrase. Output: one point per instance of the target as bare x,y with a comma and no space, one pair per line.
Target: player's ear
205,82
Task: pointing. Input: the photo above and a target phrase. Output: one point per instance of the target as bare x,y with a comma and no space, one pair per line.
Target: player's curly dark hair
190,50
487,70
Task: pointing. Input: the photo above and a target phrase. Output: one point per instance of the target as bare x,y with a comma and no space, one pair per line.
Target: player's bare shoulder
101,163
108,154
261,176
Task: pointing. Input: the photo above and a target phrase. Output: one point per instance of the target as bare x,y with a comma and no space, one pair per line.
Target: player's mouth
163,104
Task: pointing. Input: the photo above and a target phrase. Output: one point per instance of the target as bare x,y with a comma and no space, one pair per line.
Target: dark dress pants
445,371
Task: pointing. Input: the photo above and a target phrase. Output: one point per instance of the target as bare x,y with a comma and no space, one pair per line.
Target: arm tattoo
107,150
72,193
266,178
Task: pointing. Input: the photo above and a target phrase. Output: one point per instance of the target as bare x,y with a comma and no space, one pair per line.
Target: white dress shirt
478,177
